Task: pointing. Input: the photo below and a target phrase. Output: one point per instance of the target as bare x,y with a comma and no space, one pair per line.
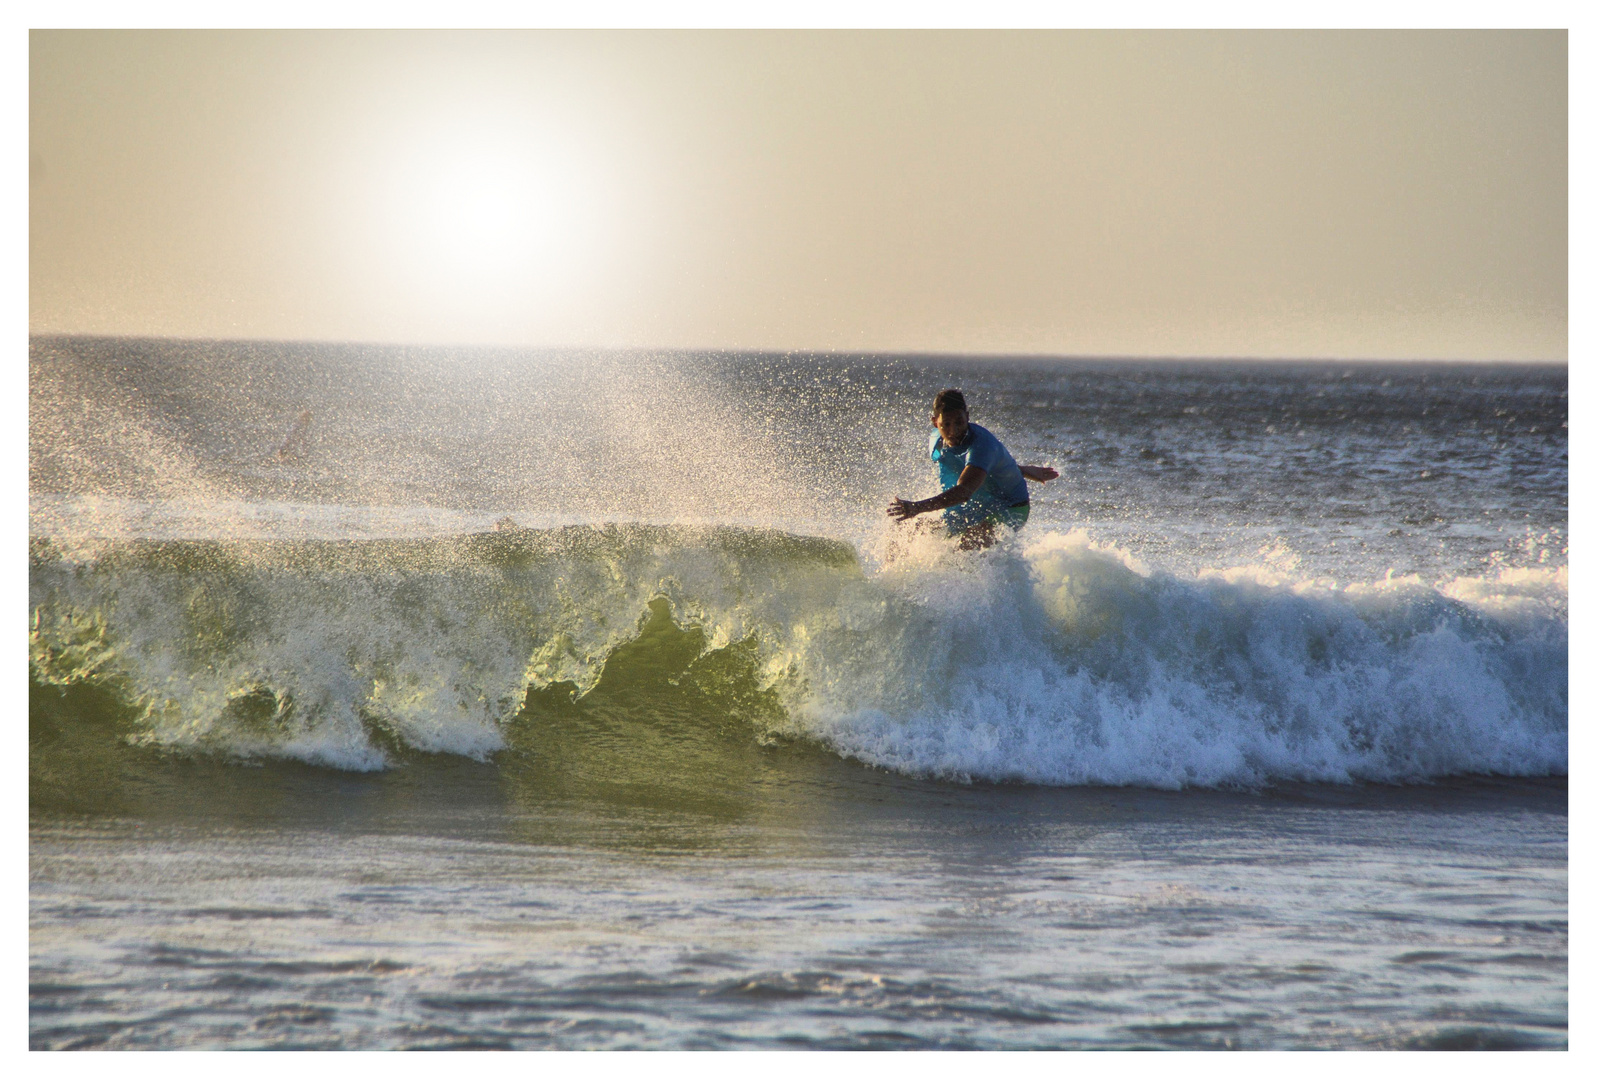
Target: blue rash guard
1003,495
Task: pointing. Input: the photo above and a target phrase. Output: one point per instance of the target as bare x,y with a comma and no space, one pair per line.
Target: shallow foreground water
838,907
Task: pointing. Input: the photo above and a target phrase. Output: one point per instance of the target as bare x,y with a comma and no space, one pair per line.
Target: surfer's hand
1040,473
902,510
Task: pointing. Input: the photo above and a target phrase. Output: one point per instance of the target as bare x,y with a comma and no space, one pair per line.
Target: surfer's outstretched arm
969,480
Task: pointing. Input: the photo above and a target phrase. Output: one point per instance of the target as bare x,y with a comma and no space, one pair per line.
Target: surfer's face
952,426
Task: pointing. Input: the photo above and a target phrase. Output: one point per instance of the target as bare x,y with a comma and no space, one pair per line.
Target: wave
1058,661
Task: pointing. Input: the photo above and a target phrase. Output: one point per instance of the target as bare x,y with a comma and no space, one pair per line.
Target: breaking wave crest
1056,661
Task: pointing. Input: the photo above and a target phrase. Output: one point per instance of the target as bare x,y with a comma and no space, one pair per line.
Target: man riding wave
983,486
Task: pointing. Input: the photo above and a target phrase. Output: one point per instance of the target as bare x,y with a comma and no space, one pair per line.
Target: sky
1345,194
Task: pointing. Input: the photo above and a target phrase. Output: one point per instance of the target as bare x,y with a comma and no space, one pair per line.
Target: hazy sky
1347,194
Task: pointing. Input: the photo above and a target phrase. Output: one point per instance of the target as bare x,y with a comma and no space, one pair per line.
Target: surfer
983,487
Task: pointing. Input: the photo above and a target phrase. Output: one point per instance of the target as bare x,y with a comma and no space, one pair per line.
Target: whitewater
591,611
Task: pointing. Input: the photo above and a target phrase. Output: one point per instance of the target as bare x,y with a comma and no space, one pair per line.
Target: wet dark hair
947,401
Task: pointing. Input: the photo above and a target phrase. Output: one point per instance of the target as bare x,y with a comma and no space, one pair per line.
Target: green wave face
584,659
671,747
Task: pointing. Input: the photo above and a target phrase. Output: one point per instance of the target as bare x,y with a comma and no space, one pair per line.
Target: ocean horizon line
826,353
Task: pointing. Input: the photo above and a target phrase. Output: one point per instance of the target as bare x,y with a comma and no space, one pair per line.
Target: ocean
413,697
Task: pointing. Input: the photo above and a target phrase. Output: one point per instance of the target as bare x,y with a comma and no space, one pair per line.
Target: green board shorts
1012,517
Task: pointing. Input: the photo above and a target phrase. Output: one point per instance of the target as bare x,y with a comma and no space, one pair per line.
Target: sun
470,210
474,209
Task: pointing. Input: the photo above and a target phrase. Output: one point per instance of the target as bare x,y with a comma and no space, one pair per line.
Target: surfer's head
950,417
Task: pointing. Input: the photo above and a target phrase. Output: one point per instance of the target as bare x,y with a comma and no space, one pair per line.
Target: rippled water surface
900,914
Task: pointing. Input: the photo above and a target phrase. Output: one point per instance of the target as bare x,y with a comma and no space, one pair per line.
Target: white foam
1070,663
